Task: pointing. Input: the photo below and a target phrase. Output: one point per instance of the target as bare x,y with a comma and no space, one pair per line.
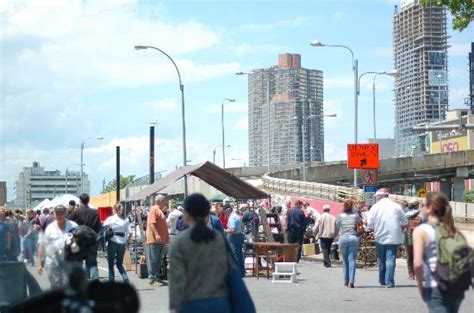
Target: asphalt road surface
318,289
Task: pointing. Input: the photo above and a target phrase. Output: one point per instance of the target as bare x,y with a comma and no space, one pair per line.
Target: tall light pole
303,135
355,69
268,96
82,160
223,129
393,73
183,120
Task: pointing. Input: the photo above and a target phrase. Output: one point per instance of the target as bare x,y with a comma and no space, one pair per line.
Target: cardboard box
308,249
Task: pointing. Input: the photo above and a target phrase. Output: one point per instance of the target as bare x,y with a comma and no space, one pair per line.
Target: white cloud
294,22
165,104
242,124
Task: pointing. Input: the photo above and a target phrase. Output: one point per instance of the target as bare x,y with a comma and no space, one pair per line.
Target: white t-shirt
171,221
54,240
386,218
118,225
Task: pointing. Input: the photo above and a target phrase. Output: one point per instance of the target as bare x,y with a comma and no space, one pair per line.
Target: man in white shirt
386,218
51,254
171,220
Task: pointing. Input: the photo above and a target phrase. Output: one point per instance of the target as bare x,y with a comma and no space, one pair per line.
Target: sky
69,72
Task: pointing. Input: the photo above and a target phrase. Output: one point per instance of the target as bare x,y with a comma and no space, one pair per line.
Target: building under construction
281,99
420,55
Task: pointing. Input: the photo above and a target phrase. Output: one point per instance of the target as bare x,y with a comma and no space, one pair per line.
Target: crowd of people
199,232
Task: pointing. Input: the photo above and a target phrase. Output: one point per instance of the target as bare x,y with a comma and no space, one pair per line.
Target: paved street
318,290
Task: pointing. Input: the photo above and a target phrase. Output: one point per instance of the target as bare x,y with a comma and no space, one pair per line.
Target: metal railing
461,211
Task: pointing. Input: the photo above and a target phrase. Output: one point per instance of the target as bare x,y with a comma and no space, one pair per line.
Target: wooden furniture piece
271,252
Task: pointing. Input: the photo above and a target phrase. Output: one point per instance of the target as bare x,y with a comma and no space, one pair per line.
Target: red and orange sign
365,156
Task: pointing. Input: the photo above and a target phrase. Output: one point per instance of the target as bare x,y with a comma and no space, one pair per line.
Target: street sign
369,194
370,188
369,177
364,156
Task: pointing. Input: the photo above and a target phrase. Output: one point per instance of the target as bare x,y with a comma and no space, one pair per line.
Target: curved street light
181,87
355,69
393,73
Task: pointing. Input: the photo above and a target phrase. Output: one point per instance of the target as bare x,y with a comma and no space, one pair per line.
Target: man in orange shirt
157,237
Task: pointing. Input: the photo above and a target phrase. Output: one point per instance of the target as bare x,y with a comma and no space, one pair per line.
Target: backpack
455,261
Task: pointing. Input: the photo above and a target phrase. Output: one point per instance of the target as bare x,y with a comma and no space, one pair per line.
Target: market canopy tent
210,173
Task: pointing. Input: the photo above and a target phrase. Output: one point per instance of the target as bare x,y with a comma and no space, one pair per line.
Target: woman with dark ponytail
437,213
198,263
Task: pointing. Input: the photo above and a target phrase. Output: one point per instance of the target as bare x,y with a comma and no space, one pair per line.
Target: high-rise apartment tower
420,55
280,100
471,78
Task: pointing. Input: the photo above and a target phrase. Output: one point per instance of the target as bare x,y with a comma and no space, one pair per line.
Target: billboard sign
363,156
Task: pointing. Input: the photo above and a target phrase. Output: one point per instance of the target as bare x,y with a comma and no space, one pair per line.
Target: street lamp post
303,135
214,153
223,129
183,120
355,69
393,73
82,160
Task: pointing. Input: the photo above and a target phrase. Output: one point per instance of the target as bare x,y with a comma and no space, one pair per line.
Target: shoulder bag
239,297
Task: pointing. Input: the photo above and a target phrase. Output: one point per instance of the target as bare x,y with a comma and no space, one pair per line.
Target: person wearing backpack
442,257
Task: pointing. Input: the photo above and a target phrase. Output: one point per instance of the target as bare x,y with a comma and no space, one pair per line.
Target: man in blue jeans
386,218
236,238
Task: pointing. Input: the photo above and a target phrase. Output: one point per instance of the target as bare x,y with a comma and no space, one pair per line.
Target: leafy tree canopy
124,180
461,10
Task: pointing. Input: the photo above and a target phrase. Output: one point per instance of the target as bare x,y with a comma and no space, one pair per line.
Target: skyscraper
280,100
420,55
471,78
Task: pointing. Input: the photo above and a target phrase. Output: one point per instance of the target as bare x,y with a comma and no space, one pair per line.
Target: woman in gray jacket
198,263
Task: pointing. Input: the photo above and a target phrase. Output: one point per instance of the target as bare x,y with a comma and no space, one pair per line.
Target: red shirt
224,219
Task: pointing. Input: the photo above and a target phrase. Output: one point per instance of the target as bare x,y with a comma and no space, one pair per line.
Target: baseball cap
382,192
61,208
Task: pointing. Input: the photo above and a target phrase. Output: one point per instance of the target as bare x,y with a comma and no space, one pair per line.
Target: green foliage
111,185
468,196
461,10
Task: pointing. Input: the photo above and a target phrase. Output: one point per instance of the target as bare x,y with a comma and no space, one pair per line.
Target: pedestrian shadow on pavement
381,287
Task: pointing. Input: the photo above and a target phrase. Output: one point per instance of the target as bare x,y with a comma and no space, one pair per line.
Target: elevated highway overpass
450,169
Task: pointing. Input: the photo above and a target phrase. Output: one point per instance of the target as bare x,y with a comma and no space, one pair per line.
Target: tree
468,196
461,10
124,181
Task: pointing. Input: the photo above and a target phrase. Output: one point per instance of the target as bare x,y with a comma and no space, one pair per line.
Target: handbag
360,229
239,296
